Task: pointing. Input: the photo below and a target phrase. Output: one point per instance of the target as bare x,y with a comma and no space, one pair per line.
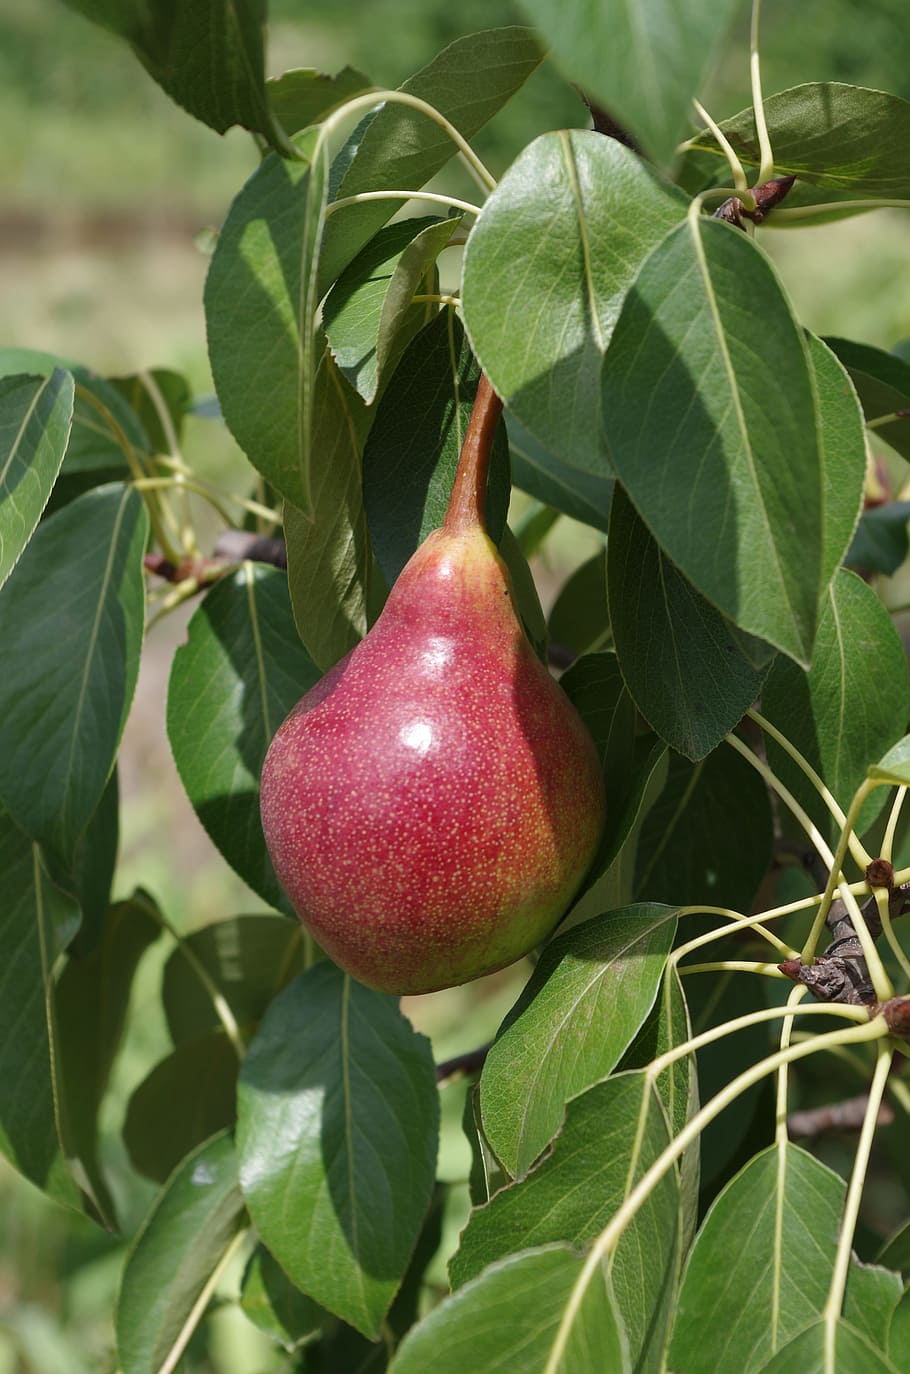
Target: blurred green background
106,190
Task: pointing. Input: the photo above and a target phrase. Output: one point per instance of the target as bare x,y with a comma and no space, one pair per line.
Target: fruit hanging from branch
433,804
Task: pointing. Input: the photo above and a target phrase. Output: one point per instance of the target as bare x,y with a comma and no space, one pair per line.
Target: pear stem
467,504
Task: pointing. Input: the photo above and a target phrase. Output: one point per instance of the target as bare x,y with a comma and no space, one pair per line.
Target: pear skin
432,805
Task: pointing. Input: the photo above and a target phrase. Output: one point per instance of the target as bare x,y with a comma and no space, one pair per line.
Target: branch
466,1063
841,973
835,1116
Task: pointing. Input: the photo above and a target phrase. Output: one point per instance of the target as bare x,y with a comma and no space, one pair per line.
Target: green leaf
870,1301
260,304
545,1052
895,766
610,881
644,62
35,420
329,556
679,858
882,383
544,281
514,1316
666,1028
161,400
524,589
880,542
239,674
37,921
249,959
192,1226
90,1001
607,1144
272,1303
746,1126
92,870
400,148
412,450
761,1265
487,1173
186,1098
899,1333
335,1092
580,618
895,1253
842,437
680,657
851,705
209,57
581,495
368,315
843,137
811,1352
712,430
71,622
595,688
304,96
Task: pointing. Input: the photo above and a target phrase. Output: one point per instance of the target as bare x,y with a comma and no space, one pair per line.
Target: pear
432,805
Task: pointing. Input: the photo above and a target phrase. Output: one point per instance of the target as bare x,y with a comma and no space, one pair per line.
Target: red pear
432,805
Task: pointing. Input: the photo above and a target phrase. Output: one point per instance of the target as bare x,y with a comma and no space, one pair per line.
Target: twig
835,1116
467,1063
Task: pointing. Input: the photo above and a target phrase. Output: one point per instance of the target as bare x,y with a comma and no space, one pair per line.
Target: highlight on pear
433,804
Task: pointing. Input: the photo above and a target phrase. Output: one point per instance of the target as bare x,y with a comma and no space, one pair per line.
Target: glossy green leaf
412,450
545,273
643,62
91,999
209,57
161,400
895,766
37,921
870,1301
570,1026
329,557
92,871
608,1142
184,1100
899,1333
368,315
711,425
882,381
679,858
304,96
843,137
272,1303
582,495
335,1092
524,590
519,1314
595,688
35,419
102,421
580,618
610,881
842,437
851,705
679,656
761,1265
895,1253
240,672
401,148
880,542
249,959
487,1173
747,1125
260,305
667,1027
71,622
193,1224
813,1351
